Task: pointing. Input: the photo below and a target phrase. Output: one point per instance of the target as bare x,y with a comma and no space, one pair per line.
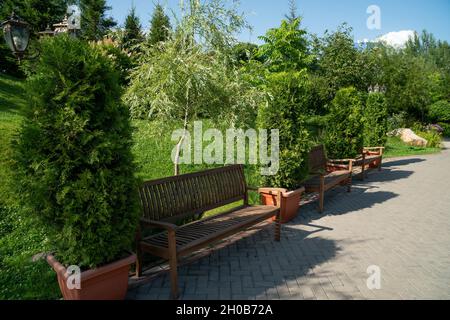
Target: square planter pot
109,282
290,201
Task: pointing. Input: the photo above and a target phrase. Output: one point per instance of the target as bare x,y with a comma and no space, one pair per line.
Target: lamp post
17,35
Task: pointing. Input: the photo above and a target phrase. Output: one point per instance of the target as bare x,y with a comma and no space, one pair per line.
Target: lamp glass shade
17,35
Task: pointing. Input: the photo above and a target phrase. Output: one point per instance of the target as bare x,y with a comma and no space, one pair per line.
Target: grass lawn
21,238
395,147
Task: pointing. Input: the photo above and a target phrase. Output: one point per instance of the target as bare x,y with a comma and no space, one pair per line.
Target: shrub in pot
287,86
75,166
284,111
344,137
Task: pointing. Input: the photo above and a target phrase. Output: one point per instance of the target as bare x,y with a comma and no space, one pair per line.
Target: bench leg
380,163
363,172
278,227
173,265
321,193
349,184
138,254
138,261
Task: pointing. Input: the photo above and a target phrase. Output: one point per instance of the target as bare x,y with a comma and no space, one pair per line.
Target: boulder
408,136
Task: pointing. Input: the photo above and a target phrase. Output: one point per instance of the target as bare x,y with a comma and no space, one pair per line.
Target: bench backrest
175,198
317,159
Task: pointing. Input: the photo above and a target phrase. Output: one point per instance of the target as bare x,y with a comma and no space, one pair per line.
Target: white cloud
397,39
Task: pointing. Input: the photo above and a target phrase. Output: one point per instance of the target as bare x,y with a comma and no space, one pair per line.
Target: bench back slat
317,158
175,198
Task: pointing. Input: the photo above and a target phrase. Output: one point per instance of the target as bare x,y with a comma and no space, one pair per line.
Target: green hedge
344,131
73,155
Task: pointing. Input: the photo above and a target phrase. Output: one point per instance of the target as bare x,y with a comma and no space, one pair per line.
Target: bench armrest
374,150
340,160
341,164
158,224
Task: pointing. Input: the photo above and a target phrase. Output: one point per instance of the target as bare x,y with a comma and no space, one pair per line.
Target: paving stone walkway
397,220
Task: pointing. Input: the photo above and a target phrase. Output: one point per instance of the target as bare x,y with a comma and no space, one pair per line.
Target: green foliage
186,83
285,47
74,163
94,22
344,133
376,126
339,64
160,27
284,111
440,111
434,139
285,81
37,13
121,60
177,79
133,31
244,52
397,121
446,127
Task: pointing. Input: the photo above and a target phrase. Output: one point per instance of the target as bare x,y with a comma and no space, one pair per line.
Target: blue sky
320,15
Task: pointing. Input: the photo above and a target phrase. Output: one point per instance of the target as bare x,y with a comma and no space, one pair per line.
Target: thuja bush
376,125
284,111
74,162
344,131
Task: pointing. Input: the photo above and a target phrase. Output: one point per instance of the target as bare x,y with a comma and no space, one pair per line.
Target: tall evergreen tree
293,11
94,22
133,30
159,26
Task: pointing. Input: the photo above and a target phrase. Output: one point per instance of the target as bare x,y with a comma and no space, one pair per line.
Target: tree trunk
180,143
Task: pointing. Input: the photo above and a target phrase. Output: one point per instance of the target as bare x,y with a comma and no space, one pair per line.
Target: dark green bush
376,126
74,162
285,111
446,127
344,132
440,111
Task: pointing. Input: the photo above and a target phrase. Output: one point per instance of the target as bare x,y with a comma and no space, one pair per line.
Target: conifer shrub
344,132
73,153
376,125
284,111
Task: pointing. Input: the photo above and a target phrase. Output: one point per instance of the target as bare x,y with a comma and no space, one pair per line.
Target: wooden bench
166,203
371,158
326,174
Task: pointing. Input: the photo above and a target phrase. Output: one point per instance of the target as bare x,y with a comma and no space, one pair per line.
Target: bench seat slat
204,230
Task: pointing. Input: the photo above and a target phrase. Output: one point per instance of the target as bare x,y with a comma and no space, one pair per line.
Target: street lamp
17,35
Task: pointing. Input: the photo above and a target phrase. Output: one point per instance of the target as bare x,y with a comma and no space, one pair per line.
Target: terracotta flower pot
290,201
109,282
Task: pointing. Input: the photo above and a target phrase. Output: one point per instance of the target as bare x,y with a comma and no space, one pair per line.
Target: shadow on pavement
402,162
251,266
